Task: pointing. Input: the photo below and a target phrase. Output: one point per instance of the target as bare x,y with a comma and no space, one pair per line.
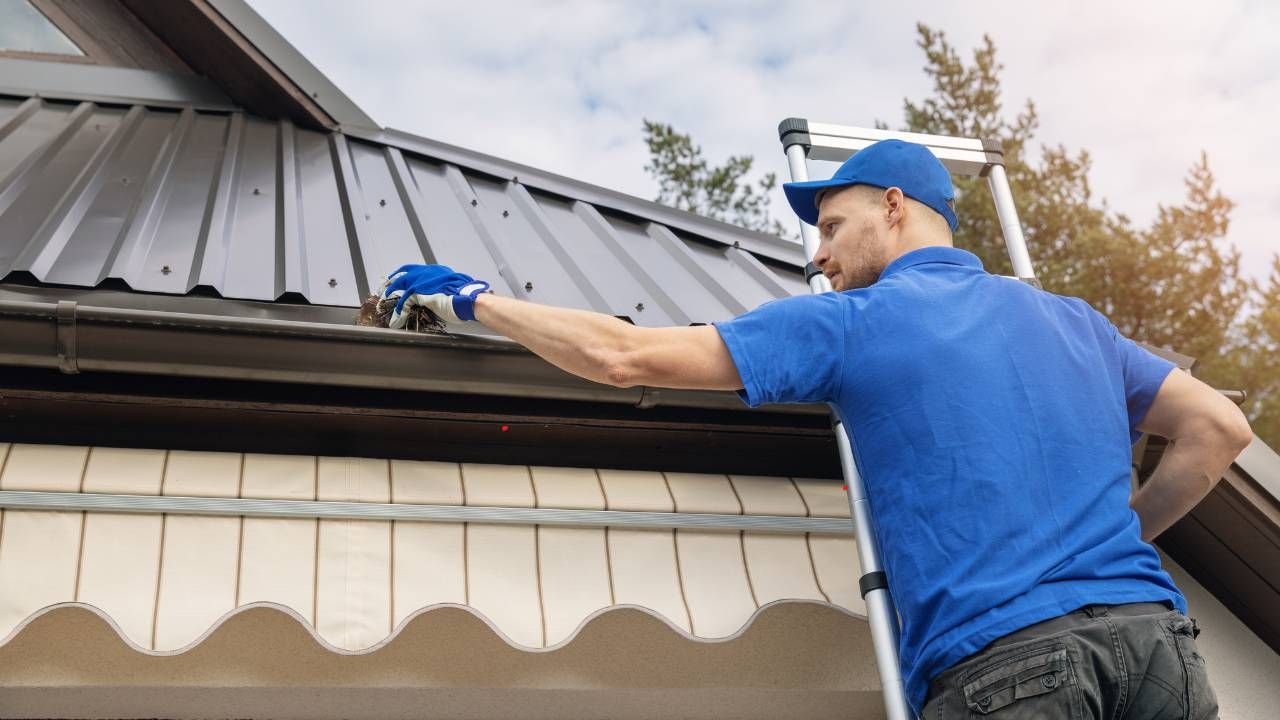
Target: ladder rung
836,143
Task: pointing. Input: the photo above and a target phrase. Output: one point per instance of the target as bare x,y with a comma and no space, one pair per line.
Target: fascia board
76,338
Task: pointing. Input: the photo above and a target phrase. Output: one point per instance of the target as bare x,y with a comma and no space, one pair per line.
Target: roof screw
737,245
256,191
474,202
165,270
124,180
640,307
315,94
333,282
382,202
528,287
505,213
515,178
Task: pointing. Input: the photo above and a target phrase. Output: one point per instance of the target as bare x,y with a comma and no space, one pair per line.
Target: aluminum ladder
802,141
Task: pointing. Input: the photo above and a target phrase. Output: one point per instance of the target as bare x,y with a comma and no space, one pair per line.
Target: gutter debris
376,312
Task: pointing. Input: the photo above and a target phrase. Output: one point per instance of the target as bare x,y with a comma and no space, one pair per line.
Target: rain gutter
77,338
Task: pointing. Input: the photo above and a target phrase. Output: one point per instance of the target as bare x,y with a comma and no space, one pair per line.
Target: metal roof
176,202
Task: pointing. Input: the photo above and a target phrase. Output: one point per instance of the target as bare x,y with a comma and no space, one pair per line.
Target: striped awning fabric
167,581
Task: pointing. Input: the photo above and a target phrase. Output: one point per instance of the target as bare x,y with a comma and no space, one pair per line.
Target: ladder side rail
802,141
1010,225
881,615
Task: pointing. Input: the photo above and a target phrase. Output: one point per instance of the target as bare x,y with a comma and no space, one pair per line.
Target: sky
565,86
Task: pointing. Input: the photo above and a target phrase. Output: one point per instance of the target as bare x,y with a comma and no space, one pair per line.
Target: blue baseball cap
907,166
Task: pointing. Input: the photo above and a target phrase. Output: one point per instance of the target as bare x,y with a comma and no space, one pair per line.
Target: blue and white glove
449,294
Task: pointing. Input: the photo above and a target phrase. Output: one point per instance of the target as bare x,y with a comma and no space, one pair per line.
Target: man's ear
895,205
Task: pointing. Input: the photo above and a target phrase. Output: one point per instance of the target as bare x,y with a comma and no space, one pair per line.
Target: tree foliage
686,181
1175,283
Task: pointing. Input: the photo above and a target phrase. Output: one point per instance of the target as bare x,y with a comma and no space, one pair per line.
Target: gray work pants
1135,661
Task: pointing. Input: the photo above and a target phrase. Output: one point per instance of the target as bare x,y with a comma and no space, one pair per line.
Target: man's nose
821,257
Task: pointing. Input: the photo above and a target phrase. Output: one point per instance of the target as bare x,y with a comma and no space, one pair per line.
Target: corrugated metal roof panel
167,201
166,580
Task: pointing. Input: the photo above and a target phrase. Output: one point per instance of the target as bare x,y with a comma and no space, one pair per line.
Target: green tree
686,181
1257,359
1175,283
1263,361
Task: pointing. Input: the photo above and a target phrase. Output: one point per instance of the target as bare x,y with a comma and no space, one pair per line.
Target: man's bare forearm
1188,471
578,341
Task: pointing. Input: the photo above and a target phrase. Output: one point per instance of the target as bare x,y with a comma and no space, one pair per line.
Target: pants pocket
1037,682
1201,701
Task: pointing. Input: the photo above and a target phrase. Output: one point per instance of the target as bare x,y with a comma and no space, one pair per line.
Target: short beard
870,259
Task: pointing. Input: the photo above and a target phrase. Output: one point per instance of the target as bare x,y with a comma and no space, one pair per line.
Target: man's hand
1206,433
591,345
449,294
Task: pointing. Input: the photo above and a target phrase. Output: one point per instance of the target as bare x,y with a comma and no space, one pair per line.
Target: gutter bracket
66,337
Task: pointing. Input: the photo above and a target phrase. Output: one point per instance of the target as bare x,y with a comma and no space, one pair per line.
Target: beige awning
626,615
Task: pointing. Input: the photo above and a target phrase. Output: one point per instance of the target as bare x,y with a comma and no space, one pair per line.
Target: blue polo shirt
992,423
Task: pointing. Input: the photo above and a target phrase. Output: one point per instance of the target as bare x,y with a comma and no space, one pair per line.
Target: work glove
449,294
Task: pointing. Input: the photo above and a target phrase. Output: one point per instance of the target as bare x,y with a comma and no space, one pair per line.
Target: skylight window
25,29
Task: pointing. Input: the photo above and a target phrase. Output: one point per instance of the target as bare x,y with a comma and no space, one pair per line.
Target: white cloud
564,85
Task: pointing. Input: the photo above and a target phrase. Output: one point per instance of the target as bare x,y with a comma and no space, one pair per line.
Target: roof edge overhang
1230,541
80,338
306,76
239,51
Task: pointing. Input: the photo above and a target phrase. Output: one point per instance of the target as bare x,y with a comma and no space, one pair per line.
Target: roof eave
78,338
240,52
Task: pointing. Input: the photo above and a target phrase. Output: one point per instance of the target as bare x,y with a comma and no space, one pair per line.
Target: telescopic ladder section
802,141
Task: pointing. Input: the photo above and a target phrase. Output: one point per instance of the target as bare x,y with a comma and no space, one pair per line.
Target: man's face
853,250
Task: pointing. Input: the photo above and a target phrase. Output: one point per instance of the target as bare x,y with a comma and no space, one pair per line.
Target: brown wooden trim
71,29
1263,506
48,57
317,113
112,35
211,45
81,36
1245,527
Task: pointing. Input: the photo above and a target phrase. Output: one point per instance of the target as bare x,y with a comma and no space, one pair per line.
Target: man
992,423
